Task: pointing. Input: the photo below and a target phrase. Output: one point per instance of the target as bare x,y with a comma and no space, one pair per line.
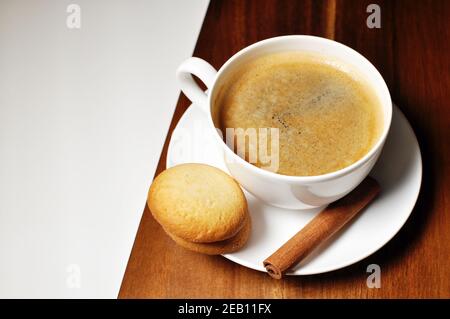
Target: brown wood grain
412,51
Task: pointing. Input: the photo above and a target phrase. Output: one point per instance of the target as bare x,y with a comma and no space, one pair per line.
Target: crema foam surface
328,117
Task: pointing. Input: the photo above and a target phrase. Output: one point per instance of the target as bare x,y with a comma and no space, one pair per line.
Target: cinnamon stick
321,228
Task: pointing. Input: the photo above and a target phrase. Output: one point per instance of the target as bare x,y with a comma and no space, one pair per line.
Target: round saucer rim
354,260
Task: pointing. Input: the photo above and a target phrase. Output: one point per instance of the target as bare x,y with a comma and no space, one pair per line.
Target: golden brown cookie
220,247
198,203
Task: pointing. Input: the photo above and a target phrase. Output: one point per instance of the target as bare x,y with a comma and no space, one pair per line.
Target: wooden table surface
412,52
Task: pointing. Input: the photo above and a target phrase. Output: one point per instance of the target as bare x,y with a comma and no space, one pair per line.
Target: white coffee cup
293,192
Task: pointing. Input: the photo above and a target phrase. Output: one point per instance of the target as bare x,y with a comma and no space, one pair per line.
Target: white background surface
83,117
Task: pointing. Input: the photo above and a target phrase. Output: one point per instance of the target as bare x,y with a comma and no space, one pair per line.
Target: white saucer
399,171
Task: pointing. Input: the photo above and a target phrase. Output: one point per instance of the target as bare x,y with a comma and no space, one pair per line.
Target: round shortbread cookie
198,203
220,247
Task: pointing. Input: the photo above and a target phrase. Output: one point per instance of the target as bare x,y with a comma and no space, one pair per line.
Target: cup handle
204,71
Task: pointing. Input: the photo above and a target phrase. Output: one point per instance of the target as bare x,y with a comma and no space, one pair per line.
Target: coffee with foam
328,117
